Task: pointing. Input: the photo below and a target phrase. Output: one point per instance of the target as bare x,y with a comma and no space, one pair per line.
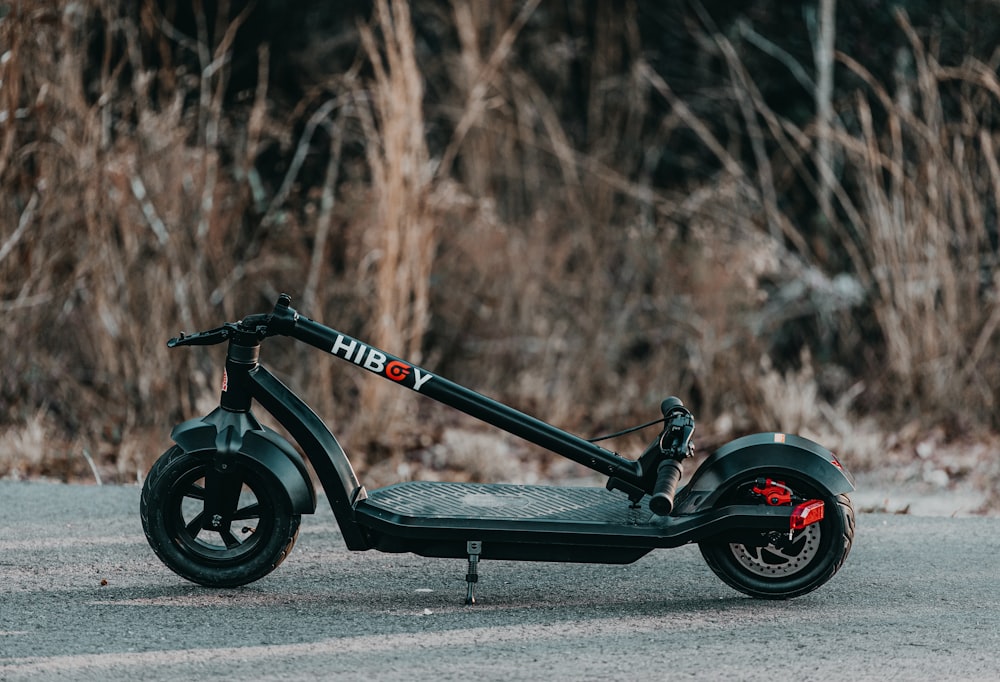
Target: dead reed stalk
400,238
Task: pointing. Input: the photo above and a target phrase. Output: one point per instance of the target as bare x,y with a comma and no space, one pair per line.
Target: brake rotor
774,561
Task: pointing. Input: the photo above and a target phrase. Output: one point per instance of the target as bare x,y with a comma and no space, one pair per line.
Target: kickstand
474,548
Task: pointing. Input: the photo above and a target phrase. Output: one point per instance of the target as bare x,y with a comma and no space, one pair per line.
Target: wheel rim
232,540
780,558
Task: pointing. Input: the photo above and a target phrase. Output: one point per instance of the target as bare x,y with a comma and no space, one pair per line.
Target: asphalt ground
82,597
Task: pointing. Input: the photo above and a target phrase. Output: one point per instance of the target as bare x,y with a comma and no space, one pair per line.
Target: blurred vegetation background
784,213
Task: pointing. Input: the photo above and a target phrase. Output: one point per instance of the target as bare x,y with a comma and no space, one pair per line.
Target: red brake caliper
776,493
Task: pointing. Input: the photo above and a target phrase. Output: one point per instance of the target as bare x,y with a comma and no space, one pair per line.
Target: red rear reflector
807,514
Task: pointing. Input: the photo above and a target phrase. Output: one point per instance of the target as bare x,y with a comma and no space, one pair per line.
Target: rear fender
770,453
238,435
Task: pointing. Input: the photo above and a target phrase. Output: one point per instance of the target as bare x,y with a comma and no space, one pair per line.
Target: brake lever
675,440
251,326
208,338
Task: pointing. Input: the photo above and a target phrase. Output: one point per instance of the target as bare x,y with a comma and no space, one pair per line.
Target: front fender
238,435
771,453
276,454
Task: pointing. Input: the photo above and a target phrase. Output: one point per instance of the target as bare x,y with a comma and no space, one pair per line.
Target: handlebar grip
668,474
670,404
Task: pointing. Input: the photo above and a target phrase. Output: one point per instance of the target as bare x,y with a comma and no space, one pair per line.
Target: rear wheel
245,536
770,565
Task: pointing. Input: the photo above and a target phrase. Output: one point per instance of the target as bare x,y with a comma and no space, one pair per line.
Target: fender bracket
240,435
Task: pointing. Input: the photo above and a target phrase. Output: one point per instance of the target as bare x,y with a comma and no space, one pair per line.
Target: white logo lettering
360,354
375,361
419,378
339,345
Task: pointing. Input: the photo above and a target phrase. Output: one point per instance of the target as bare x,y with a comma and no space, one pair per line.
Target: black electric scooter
770,512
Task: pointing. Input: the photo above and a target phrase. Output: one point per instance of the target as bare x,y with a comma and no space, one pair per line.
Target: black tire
228,556
769,565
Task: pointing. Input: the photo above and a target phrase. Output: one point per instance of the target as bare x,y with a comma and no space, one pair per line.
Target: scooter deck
545,523
513,521
429,503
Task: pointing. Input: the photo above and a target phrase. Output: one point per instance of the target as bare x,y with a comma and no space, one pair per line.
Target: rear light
806,514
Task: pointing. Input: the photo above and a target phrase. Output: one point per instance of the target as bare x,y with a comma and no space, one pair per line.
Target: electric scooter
222,507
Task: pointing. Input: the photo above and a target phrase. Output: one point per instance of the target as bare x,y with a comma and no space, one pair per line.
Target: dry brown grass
926,196
541,264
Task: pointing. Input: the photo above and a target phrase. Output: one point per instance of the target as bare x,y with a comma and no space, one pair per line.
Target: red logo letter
397,371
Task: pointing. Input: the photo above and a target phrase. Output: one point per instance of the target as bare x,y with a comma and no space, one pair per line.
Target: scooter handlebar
279,321
668,474
208,338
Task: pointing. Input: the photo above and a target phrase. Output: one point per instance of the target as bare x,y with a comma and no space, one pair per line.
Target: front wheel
220,526
770,565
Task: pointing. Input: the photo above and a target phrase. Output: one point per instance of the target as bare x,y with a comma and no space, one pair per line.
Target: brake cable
626,431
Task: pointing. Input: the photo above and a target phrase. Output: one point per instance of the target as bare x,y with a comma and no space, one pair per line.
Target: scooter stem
286,321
